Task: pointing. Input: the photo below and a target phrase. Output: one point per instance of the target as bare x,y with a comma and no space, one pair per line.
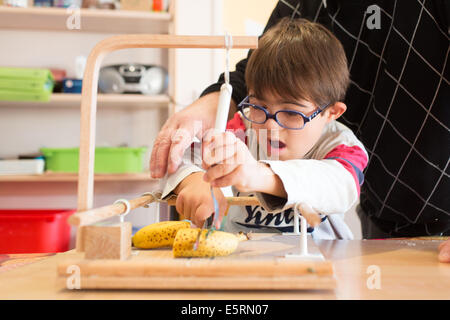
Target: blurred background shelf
92,20
37,37
62,100
73,177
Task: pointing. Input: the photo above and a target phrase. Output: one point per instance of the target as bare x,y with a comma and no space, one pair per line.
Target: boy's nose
272,124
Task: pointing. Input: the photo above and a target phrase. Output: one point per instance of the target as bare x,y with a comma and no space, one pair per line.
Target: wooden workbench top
408,269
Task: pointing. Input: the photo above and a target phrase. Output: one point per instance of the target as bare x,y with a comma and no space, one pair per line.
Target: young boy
297,153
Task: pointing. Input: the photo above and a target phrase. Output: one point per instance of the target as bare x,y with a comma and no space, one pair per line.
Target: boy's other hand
178,133
444,251
194,200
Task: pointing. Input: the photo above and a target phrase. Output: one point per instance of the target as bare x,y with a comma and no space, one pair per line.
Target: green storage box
107,160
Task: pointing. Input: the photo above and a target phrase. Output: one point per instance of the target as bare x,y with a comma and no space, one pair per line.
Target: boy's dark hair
299,59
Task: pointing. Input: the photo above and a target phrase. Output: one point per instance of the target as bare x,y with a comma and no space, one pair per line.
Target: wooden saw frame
106,259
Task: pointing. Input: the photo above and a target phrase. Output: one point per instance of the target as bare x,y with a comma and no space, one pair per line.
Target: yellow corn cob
157,235
218,243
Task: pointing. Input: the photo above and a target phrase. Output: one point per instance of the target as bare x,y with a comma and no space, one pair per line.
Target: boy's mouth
275,146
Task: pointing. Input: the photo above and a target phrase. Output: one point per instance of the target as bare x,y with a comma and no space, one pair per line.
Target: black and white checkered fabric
398,104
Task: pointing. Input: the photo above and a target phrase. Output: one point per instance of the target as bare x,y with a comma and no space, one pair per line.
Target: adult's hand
178,133
444,251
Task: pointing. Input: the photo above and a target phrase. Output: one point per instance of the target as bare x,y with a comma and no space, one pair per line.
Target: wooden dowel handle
95,215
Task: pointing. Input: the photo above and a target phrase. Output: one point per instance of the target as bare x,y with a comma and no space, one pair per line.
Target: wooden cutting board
257,264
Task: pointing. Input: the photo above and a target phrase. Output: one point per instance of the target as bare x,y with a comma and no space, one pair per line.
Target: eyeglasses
288,119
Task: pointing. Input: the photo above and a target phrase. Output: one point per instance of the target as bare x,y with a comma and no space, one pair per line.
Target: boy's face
285,144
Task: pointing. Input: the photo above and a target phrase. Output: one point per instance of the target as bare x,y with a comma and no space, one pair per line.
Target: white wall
197,68
245,18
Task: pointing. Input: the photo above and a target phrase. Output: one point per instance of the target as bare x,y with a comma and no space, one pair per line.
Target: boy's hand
169,147
194,199
229,162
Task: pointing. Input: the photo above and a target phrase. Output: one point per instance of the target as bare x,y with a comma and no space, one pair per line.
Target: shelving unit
67,100
73,177
41,19
92,20
40,38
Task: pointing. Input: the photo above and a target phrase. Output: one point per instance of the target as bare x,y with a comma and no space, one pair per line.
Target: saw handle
223,108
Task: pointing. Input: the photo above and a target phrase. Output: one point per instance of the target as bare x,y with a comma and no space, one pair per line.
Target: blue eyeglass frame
273,116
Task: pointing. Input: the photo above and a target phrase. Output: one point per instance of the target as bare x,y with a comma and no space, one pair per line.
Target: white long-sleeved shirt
328,179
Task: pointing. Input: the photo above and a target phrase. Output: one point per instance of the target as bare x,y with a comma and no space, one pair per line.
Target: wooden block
79,245
108,242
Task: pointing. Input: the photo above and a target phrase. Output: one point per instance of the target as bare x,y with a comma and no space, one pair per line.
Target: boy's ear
335,110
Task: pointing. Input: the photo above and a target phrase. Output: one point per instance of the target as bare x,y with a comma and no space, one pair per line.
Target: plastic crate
34,231
107,160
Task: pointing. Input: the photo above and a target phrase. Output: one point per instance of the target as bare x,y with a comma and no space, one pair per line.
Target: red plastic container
34,231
